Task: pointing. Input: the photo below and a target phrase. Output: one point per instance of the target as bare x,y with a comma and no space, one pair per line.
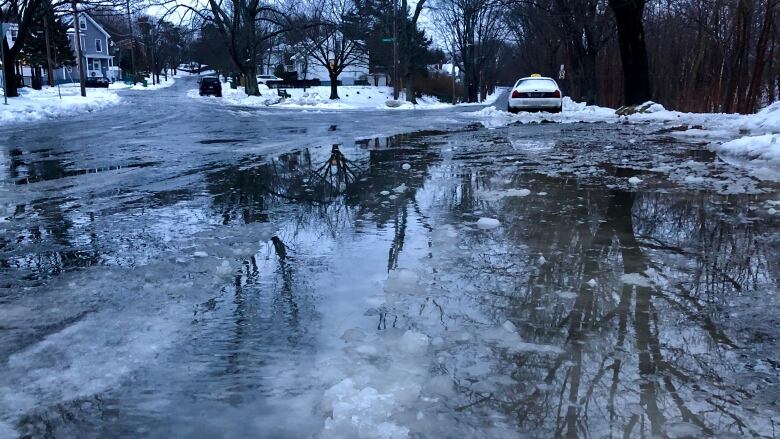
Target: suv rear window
209,80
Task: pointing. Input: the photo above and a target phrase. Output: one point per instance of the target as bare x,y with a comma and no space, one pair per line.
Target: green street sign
388,40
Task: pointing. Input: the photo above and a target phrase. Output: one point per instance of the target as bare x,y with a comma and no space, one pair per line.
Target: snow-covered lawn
32,105
120,85
750,138
350,98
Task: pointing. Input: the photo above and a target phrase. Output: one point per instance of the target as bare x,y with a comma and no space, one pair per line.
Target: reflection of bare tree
641,341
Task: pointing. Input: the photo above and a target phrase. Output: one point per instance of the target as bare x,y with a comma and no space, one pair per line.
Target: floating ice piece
682,429
593,283
399,189
509,326
223,269
385,193
635,279
360,413
200,254
542,193
567,294
353,335
401,280
406,166
541,260
518,193
634,180
488,223
771,211
413,342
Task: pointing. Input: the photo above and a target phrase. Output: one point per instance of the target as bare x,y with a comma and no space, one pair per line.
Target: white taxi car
535,92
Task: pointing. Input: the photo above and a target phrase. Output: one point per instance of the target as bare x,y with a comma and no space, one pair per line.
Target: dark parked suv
210,86
96,82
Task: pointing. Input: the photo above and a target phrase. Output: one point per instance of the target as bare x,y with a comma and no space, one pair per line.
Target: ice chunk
541,260
360,413
406,166
566,294
353,335
593,283
509,326
682,429
200,254
399,189
635,279
413,342
518,193
634,180
385,193
401,280
223,269
488,223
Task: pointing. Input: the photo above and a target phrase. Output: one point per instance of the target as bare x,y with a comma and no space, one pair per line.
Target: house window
96,64
98,45
83,42
82,22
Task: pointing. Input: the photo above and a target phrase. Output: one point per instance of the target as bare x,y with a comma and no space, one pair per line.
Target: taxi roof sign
536,75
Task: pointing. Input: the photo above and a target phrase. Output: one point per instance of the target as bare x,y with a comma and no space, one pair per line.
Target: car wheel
219,95
511,110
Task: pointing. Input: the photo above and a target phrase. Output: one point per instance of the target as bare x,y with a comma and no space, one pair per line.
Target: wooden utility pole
79,61
396,85
49,68
132,39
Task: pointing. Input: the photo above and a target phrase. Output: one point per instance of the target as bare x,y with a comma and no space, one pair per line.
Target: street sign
388,40
7,31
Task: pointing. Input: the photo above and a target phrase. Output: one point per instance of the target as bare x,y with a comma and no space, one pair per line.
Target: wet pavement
175,268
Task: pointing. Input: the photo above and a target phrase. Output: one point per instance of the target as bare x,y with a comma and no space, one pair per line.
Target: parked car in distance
96,82
535,92
210,86
265,79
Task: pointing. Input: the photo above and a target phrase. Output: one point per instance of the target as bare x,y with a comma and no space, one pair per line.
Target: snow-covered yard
149,86
350,98
32,105
750,138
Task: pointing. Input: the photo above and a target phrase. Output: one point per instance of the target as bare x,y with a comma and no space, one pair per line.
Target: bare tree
476,29
336,41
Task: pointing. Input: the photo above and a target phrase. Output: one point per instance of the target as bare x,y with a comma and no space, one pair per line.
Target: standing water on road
530,281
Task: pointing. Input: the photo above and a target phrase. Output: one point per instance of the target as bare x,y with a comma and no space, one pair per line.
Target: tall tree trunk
9,72
589,85
251,87
754,90
334,85
633,50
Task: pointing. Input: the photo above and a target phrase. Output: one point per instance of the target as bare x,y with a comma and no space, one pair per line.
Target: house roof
69,20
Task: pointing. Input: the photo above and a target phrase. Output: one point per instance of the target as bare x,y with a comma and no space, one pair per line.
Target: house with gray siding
96,51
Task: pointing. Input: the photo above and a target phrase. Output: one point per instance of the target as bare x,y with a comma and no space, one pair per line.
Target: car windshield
537,83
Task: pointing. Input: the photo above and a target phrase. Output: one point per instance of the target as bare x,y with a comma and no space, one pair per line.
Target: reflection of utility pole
79,61
453,79
2,58
132,40
396,89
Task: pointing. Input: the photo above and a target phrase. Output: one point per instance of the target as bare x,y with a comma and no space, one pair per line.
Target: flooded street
205,272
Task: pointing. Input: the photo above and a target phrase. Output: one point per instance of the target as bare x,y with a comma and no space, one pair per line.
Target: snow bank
162,84
32,105
764,148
